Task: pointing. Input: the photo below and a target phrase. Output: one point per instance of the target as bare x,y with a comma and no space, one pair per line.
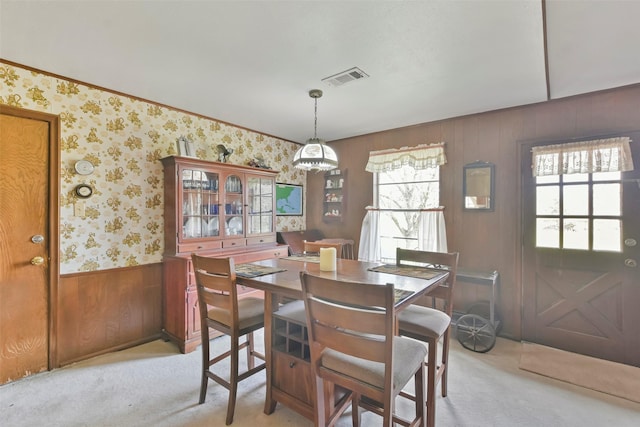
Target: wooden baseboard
597,374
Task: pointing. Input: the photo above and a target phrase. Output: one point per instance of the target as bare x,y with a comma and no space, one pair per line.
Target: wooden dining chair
423,321
347,247
314,247
353,346
220,309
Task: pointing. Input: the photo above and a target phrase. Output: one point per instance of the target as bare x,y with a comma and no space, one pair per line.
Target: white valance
600,155
419,157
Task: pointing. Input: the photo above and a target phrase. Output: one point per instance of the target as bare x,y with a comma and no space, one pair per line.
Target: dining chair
220,309
347,247
430,324
353,346
314,247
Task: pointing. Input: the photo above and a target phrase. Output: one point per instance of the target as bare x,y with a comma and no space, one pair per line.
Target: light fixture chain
315,123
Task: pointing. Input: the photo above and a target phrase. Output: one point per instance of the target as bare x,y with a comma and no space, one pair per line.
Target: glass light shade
315,155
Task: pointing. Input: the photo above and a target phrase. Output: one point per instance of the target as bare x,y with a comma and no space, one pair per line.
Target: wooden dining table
285,284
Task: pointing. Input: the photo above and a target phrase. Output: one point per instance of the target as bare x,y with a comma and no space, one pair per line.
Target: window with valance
406,199
579,194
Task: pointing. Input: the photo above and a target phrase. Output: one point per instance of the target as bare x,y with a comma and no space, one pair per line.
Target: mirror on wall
478,186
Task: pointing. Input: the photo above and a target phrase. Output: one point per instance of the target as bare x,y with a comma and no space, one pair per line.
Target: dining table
279,279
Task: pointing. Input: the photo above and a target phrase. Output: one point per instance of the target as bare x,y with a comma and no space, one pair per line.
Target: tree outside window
401,194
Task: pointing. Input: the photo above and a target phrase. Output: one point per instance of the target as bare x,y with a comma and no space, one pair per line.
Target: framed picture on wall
288,199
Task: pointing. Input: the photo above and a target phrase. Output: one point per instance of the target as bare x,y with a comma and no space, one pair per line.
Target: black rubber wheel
482,309
475,333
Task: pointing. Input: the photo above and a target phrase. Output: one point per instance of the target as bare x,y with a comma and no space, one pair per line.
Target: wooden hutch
212,209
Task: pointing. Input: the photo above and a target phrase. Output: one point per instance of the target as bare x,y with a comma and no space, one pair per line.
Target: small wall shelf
335,195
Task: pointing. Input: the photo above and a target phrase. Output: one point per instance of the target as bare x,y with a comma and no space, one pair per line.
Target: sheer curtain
432,231
432,234
598,155
369,247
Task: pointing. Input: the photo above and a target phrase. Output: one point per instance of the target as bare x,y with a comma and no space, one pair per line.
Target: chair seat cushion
250,313
421,321
408,356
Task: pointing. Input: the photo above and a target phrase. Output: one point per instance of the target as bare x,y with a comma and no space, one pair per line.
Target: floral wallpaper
124,138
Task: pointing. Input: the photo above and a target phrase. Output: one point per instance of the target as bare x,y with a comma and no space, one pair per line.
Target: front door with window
581,282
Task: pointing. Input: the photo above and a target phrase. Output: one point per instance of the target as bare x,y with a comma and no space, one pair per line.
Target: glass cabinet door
260,200
233,206
200,204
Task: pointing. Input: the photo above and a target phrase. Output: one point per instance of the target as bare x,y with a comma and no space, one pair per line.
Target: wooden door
25,243
583,300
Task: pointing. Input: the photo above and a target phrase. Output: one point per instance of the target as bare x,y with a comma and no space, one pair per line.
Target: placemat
305,258
400,294
255,270
407,270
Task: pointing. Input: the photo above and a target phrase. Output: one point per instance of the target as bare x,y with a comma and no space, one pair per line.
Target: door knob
630,262
37,260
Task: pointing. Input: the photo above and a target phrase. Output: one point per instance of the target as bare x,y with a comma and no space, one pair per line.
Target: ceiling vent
350,75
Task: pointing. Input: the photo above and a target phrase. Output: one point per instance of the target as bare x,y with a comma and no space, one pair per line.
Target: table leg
270,305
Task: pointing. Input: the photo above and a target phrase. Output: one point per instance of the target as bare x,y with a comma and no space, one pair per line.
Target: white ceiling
252,63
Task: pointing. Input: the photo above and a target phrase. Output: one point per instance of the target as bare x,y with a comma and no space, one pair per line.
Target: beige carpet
597,374
153,385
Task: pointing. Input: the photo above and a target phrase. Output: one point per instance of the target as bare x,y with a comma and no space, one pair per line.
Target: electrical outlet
79,209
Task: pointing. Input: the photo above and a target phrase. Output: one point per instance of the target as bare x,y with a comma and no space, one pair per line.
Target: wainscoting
101,311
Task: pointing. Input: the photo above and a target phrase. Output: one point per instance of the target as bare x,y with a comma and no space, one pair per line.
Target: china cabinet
335,195
212,209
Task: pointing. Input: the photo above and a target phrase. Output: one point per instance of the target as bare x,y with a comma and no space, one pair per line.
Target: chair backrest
216,285
439,260
347,247
314,247
352,318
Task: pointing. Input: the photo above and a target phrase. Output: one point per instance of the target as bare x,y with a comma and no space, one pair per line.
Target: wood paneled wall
101,311
485,240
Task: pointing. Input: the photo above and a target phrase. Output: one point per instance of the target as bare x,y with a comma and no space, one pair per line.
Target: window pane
408,196
405,191
576,199
606,235
606,176
549,179
576,233
547,233
548,200
575,177
606,199
408,174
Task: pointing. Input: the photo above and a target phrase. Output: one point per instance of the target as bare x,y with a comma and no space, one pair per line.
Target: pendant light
315,155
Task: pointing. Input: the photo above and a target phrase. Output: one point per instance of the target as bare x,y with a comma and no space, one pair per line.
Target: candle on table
327,259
